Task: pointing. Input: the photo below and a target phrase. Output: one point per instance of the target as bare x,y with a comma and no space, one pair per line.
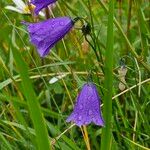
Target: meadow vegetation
38,94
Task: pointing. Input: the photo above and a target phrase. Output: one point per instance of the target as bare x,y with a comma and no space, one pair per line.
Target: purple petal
44,35
40,4
87,107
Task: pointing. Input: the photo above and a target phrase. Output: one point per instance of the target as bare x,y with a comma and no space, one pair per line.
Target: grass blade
5,142
106,131
34,107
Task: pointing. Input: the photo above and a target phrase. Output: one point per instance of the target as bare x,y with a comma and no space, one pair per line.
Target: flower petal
20,4
14,9
40,4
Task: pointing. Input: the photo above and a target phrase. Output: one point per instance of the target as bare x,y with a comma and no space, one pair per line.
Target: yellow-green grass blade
106,141
34,107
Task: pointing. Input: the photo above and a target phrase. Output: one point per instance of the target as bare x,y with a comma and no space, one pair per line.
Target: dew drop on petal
53,24
90,112
89,98
80,117
80,106
61,23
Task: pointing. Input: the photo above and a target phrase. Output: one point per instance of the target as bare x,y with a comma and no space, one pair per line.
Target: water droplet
53,24
89,97
80,117
90,112
61,23
80,106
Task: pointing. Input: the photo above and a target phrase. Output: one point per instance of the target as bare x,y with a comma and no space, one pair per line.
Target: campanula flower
44,35
40,4
87,107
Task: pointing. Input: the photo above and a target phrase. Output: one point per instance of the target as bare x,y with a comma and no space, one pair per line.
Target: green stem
107,131
93,48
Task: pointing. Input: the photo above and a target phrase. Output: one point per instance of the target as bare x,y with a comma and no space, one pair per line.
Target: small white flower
21,7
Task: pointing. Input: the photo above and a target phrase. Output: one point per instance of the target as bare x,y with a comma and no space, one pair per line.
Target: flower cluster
44,35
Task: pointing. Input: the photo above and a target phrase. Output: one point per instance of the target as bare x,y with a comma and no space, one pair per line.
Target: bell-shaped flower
44,35
87,107
40,4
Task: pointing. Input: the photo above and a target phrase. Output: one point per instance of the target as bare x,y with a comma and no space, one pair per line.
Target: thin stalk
85,136
93,48
134,143
93,36
120,11
96,54
129,17
92,23
128,21
53,141
107,131
47,13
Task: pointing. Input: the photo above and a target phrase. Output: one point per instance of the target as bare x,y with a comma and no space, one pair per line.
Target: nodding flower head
87,107
40,4
44,35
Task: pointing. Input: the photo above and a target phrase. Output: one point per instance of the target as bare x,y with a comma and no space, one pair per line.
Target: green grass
108,82
33,111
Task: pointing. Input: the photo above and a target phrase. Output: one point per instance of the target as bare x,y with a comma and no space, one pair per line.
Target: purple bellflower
87,107
44,35
40,4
